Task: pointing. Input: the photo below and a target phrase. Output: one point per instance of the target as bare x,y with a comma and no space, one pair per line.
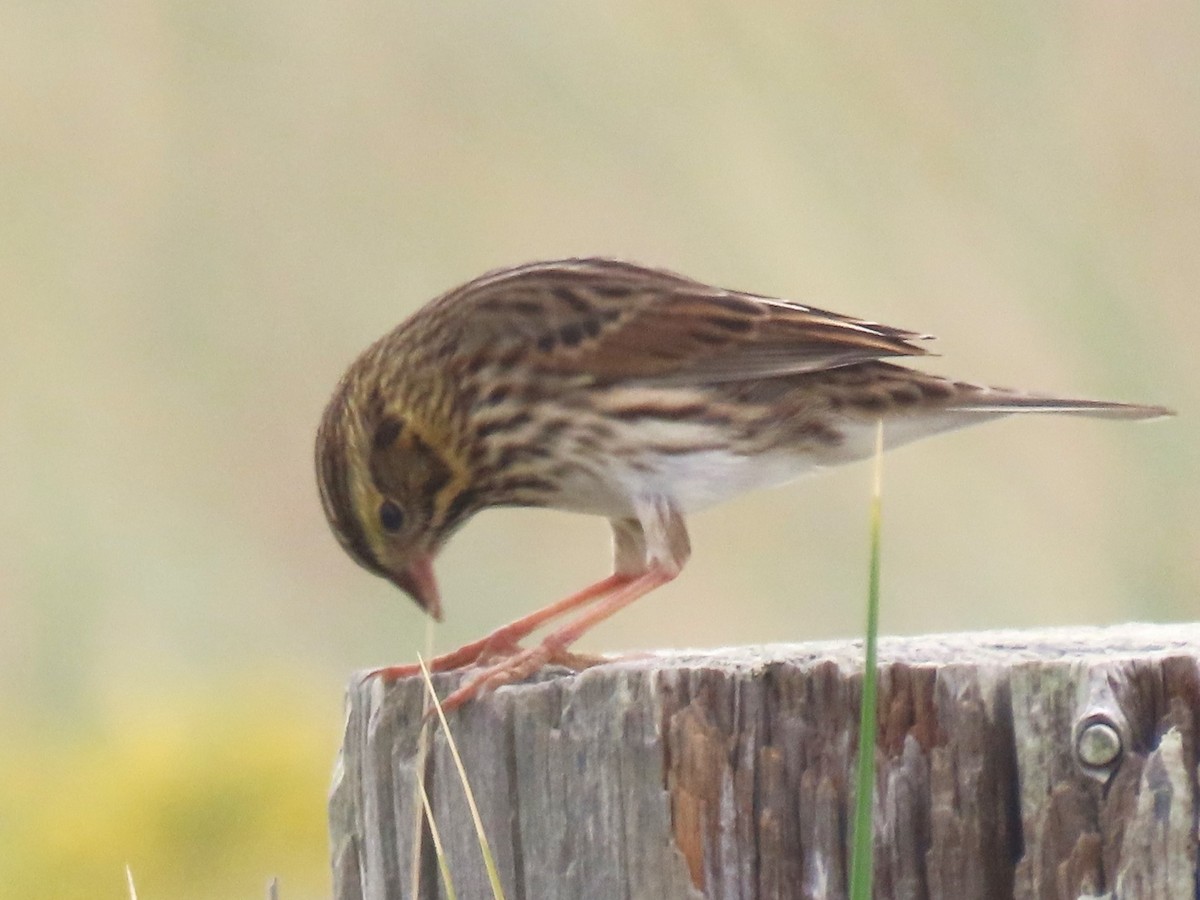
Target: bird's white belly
693,481
704,479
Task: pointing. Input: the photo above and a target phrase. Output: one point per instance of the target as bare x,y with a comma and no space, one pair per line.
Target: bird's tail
999,401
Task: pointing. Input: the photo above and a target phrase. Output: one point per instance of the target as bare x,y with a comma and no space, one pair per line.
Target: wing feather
619,321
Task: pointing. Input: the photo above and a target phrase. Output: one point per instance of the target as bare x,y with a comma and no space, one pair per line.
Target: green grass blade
862,857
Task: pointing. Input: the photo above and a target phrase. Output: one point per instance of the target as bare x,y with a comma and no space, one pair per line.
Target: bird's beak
419,583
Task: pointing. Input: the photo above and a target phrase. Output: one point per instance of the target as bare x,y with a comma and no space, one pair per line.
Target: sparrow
608,388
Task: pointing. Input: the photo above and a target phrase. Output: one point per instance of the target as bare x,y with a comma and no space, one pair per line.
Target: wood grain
727,774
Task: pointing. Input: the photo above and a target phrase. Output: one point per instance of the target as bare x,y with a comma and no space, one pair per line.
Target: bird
613,389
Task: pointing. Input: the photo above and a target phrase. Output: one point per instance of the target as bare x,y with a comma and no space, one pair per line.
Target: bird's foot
618,592
498,645
505,642
504,660
519,666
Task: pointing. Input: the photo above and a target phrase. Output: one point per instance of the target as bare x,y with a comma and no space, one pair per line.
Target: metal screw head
1098,745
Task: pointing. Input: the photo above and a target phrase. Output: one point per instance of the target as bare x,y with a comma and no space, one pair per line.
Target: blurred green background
209,209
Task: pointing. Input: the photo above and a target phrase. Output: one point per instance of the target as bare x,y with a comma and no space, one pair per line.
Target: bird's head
392,492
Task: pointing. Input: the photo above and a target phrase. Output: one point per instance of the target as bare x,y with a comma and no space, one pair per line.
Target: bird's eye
391,516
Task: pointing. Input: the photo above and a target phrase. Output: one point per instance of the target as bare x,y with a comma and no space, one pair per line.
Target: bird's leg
629,554
657,541
556,644
505,641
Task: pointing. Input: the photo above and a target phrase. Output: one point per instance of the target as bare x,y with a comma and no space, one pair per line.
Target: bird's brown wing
618,321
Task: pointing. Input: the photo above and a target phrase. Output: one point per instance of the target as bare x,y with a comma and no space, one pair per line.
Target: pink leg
504,641
525,662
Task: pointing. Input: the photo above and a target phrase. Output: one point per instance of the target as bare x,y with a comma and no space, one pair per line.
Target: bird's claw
514,668
518,666
481,652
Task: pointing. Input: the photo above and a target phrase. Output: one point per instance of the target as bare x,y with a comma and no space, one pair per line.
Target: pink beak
419,583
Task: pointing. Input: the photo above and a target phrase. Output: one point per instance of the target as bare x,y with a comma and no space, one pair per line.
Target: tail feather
969,404
993,400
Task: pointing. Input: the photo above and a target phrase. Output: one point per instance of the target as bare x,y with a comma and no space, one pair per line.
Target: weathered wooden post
1050,764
